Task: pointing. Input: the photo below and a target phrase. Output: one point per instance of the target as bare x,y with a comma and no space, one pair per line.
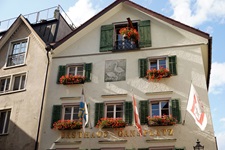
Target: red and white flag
136,116
196,109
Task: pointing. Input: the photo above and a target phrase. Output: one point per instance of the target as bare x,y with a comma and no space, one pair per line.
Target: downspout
48,48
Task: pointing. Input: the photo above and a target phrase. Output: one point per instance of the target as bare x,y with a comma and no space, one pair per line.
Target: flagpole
183,122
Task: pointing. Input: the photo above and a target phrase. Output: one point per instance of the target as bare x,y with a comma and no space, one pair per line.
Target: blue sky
206,16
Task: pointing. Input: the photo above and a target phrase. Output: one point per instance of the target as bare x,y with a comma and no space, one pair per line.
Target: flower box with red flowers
154,74
67,124
70,79
129,33
111,123
165,120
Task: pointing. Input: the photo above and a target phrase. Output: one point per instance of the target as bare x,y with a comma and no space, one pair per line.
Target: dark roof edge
169,20
88,22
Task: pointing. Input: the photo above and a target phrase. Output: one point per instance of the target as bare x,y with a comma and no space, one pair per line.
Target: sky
207,16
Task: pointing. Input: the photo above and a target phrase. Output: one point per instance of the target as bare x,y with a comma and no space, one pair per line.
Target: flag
196,109
83,111
136,117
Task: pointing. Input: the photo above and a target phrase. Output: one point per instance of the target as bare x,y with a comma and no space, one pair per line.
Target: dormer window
112,39
16,55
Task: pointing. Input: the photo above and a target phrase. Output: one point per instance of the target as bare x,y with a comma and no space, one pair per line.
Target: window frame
68,66
5,83
66,105
161,148
149,59
5,129
115,103
12,82
159,100
116,27
10,51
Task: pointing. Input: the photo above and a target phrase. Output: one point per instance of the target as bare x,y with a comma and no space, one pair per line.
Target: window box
67,124
154,74
111,123
70,79
165,120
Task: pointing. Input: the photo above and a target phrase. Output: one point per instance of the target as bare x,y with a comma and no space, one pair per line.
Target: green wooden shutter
144,111
99,112
88,69
173,65
106,39
142,63
61,72
176,109
128,112
56,113
145,33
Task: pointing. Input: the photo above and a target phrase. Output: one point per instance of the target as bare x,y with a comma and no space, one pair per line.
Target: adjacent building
23,70
126,52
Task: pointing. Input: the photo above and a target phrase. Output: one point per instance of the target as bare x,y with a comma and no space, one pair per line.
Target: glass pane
153,64
72,71
2,121
7,122
2,84
119,114
67,116
7,84
68,110
16,83
155,105
155,113
76,109
110,108
109,115
162,63
23,82
165,112
75,116
164,105
80,68
119,108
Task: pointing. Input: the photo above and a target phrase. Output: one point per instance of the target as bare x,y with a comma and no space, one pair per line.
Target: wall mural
115,70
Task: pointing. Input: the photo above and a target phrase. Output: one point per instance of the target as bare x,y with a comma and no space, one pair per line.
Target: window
17,53
70,112
159,108
110,39
114,110
169,62
75,70
83,70
12,83
4,121
4,84
157,63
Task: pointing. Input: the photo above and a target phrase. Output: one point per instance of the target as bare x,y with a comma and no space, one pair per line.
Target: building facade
23,69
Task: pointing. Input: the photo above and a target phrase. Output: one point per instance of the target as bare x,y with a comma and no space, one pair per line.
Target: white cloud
220,140
81,11
195,12
222,120
217,78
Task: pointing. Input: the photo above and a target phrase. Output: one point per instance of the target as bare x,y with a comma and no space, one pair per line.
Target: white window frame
11,49
158,59
162,148
76,68
64,106
12,82
114,103
7,116
5,84
160,109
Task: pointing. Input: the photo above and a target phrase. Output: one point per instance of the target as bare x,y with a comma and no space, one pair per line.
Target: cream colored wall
25,105
166,41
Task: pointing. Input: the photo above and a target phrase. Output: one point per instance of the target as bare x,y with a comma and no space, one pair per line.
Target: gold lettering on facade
105,134
120,133
157,132
145,132
63,135
93,135
132,133
170,132
86,134
80,134
68,135
99,134
151,133
164,131
73,134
